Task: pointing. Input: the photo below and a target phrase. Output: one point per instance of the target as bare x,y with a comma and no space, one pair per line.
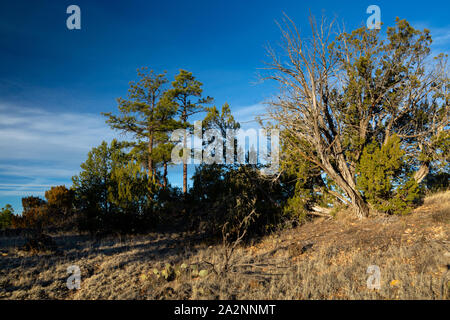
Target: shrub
113,192
60,199
437,181
6,215
35,214
222,198
302,180
384,180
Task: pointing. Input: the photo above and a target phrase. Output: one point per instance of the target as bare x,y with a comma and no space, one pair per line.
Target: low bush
222,198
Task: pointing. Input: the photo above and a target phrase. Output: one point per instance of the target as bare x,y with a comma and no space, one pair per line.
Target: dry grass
439,204
324,259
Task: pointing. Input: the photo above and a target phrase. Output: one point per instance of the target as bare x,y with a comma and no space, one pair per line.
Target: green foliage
6,215
112,191
303,177
222,199
407,196
148,114
297,205
378,166
91,186
171,273
222,120
383,181
186,93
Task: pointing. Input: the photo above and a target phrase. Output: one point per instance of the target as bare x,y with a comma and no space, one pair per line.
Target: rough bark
346,181
360,206
184,118
330,130
150,159
423,171
165,175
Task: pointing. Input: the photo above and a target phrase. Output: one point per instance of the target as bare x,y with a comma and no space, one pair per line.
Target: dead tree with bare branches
341,91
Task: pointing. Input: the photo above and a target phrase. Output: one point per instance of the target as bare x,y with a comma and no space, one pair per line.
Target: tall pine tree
187,94
147,112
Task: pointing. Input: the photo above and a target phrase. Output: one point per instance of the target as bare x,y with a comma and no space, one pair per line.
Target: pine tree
185,88
147,112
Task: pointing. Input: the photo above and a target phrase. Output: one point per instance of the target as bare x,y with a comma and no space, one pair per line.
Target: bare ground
323,259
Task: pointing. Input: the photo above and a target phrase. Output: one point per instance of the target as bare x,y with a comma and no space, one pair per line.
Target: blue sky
54,82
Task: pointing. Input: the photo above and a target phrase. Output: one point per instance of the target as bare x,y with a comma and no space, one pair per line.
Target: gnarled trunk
346,181
359,205
423,171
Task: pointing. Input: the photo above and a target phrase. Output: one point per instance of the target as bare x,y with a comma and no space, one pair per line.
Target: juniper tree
112,184
341,94
94,183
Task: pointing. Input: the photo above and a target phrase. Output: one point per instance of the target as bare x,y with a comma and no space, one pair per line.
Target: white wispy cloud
23,189
43,148
43,135
245,114
439,35
43,170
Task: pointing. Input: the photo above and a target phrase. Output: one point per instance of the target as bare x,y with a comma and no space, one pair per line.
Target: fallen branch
321,212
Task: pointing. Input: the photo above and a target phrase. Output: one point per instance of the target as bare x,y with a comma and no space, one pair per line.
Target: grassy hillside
322,259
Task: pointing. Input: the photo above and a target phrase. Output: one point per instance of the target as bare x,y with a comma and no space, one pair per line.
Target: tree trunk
184,178
150,158
420,174
346,181
165,175
325,211
184,117
360,207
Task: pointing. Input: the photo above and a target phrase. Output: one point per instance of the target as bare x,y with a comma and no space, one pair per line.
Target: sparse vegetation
363,123
322,259
6,215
